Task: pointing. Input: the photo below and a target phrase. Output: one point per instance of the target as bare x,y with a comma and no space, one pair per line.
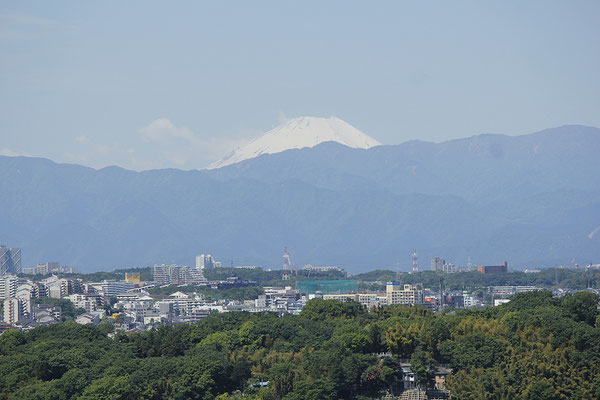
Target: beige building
15,309
397,293
368,300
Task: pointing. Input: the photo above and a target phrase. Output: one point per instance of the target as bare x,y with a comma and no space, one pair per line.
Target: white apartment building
8,286
404,294
368,300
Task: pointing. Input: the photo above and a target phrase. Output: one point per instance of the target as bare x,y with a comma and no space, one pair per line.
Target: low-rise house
93,317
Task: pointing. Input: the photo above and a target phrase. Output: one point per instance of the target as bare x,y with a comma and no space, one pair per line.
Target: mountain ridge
358,208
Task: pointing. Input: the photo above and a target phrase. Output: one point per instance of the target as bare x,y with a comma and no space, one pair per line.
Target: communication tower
287,265
415,267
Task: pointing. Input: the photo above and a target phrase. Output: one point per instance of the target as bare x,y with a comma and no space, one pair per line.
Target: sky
148,85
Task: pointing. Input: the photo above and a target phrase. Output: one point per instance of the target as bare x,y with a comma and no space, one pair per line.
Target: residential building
176,274
366,299
277,299
56,287
10,260
52,267
439,264
48,267
46,313
470,300
89,302
93,318
326,268
16,309
404,294
204,261
184,304
8,286
510,290
409,378
113,288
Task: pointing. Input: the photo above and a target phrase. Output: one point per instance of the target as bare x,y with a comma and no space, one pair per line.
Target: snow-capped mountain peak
298,133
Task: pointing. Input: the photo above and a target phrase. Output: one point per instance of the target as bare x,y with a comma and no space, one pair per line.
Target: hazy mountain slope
475,168
527,199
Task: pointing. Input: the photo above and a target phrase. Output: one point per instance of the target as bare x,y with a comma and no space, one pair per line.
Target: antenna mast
287,265
415,267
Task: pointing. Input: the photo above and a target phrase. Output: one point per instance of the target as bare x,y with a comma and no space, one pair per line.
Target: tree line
534,347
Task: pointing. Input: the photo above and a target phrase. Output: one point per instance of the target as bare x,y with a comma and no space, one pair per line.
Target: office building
493,269
10,260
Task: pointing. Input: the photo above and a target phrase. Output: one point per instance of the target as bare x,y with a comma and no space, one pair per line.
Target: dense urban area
206,331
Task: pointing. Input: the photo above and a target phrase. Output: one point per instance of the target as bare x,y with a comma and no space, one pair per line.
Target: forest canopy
536,346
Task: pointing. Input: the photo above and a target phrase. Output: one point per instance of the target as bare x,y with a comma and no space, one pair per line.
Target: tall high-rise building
204,261
10,260
177,274
437,264
8,286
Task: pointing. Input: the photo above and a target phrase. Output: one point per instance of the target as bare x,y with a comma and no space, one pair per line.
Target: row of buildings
18,294
395,293
10,263
49,267
439,264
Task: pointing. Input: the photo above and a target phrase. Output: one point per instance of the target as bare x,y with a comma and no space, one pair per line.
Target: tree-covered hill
546,278
535,347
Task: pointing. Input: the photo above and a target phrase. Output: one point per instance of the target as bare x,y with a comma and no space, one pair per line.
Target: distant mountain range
532,200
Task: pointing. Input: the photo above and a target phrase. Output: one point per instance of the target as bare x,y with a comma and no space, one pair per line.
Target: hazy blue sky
179,84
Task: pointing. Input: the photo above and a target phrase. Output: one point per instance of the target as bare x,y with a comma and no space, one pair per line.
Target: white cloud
13,153
159,144
162,129
179,147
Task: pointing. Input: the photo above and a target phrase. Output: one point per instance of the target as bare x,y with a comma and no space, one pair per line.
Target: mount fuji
298,133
